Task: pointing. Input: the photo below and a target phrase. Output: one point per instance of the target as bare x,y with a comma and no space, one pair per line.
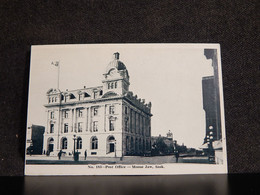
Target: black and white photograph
125,109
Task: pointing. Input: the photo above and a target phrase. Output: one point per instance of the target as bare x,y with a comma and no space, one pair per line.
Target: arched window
115,84
79,143
94,143
112,85
64,143
111,144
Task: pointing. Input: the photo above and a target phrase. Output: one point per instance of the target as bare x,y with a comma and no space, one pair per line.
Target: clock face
113,72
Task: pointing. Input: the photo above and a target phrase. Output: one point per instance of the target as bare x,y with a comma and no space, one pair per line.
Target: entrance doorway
111,147
111,144
50,145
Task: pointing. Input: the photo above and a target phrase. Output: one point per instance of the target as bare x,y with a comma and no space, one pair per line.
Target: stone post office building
106,120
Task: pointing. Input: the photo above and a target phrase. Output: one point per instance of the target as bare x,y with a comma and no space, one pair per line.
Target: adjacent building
34,141
163,144
211,106
106,120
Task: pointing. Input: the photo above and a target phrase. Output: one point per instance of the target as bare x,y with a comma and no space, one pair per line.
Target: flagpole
58,84
57,63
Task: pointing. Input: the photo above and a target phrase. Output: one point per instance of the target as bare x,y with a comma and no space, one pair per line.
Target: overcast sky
169,76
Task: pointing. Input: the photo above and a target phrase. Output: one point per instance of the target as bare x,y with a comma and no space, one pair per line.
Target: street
42,159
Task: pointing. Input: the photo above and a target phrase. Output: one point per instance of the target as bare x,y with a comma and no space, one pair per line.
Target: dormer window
80,96
95,95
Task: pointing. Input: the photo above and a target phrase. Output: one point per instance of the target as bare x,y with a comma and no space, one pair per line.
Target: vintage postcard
125,109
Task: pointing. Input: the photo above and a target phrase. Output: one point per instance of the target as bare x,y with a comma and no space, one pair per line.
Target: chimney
116,55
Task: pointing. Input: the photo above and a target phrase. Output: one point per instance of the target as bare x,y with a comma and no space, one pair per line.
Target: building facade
106,120
211,105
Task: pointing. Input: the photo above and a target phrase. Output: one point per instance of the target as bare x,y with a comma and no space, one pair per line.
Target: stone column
87,116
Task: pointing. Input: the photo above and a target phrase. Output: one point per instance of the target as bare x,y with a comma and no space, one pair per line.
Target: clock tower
116,78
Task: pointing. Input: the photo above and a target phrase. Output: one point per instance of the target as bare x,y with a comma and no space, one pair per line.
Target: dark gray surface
230,23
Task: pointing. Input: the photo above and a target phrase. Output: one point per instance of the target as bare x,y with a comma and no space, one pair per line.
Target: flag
55,63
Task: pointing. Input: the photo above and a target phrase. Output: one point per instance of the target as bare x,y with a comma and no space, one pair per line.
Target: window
111,125
66,98
95,95
79,127
79,143
94,143
64,143
127,143
66,128
115,84
49,100
52,128
95,126
52,99
55,99
112,85
111,110
111,144
108,85
52,115
126,125
66,114
95,111
80,113
126,111
80,96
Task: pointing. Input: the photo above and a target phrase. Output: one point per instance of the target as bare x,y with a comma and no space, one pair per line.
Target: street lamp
74,139
210,147
115,147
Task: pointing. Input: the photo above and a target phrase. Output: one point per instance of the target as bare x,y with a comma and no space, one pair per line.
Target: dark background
233,24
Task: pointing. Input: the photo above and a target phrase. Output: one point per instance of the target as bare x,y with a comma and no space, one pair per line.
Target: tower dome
116,64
